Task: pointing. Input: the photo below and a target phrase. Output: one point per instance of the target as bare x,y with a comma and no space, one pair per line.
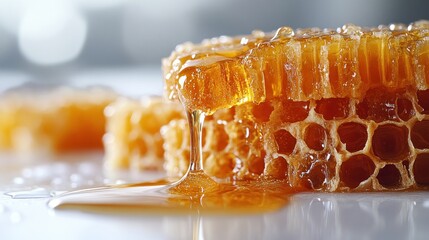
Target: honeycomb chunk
338,109
133,138
324,110
53,119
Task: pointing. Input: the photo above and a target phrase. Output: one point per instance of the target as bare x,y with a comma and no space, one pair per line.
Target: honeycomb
331,110
299,65
133,139
317,147
53,120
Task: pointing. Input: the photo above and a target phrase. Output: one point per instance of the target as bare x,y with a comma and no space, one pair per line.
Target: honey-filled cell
378,105
256,164
420,134
294,111
353,135
285,141
421,169
333,108
316,170
262,111
276,168
315,137
389,176
390,142
315,177
356,169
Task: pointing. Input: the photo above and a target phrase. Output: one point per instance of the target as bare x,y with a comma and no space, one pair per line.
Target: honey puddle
194,192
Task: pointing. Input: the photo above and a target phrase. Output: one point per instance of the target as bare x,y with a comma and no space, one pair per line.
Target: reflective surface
25,192
309,216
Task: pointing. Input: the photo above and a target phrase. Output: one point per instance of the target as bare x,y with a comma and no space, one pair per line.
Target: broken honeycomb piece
53,120
301,65
133,139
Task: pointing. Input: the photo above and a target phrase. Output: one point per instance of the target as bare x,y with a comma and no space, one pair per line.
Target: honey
289,111
332,110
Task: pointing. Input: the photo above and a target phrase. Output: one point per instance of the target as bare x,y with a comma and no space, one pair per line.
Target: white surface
308,216
401,215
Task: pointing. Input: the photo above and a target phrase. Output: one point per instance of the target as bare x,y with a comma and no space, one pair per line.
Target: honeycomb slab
300,65
329,110
53,120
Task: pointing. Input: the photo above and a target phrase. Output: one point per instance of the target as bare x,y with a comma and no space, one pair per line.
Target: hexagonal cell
294,111
285,141
316,170
333,108
390,143
378,105
315,136
262,111
354,135
277,168
423,100
420,134
256,164
421,169
389,176
356,169
316,176
405,109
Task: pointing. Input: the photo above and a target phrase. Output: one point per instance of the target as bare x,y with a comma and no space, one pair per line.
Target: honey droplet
351,29
283,32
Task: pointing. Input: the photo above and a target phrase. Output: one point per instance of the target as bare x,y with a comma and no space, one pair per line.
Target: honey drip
195,191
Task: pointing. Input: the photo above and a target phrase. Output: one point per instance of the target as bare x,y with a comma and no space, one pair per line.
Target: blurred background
55,40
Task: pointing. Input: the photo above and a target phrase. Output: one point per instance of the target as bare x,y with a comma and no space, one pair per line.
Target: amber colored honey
301,65
162,197
195,191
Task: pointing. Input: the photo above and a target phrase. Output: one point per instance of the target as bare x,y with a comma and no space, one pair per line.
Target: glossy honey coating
298,65
53,120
